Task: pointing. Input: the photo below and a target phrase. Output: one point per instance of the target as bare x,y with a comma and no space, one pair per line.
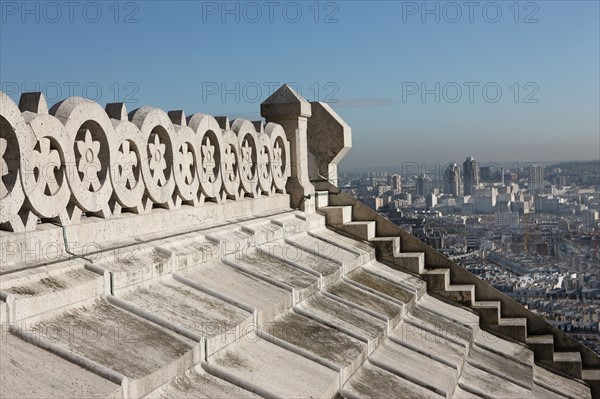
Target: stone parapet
92,170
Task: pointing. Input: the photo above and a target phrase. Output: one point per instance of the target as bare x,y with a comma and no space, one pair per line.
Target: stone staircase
274,293
274,306
497,313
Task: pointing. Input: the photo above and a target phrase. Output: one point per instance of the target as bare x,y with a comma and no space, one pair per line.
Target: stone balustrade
78,159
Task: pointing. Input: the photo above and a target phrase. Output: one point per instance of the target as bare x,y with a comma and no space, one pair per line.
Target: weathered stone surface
329,140
273,268
343,317
415,367
119,341
485,384
276,370
27,371
199,384
266,299
373,382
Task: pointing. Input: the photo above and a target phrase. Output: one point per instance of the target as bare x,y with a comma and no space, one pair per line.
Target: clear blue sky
370,59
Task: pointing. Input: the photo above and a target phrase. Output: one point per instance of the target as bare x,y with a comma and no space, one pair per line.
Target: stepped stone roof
149,254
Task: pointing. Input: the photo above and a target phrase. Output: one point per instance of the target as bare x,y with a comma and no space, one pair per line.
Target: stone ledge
94,235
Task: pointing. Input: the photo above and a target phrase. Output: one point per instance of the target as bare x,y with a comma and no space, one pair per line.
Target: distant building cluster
529,230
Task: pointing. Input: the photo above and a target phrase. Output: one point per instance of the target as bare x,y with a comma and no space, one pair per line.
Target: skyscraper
396,182
471,175
535,176
423,185
452,179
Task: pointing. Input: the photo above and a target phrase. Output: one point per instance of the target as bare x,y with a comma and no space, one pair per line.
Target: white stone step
397,277
320,244
372,304
217,322
198,384
29,371
292,224
463,294
415,367
388,250
360,230
428,344
146,354
337,215
272,371
568,387
137,264
498,364
275,271
322,341
54,289
386,246
321,199
190,249
489,311
327,269
567,362
542,346
437,279
517,352
412,261
265,231
487,385
449,311
269,300
232,240
511,327
382,287
447,328
345,318
371,379
363,248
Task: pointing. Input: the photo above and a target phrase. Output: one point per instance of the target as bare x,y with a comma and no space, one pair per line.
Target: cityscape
300,199
531,231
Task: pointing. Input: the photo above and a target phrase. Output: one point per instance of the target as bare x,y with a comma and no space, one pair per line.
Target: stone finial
33,102
116,111
288,109
285,103
329,140
177,117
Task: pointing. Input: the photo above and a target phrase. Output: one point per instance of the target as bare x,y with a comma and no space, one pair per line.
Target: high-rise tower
423,185
471,175
452,179
396,182
535,176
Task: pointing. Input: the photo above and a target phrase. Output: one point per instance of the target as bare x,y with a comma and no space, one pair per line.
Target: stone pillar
329,140
288,109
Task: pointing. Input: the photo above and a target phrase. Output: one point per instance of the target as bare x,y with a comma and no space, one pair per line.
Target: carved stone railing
110,179
78,158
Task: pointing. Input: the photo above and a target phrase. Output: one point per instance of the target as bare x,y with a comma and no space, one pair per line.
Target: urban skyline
532,232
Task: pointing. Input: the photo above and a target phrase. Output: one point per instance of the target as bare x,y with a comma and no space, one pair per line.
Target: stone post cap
285,103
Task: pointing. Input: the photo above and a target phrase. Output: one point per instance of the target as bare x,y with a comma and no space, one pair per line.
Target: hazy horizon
400,164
